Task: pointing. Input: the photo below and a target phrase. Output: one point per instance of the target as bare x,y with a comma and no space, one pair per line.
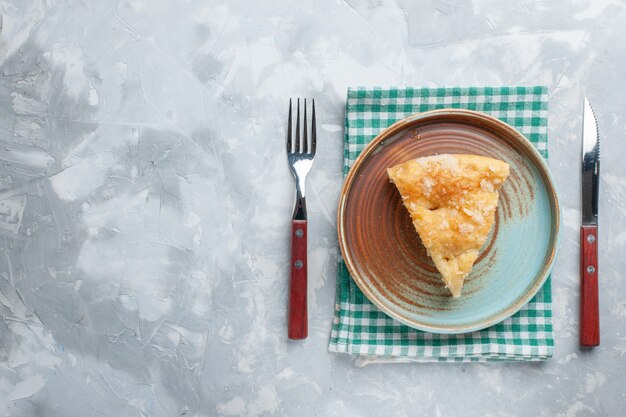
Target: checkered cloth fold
359,327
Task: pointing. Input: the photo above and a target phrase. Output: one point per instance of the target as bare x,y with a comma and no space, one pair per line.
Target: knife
589,312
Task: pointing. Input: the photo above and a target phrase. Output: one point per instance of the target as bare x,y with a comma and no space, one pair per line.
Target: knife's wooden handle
298,316
589,311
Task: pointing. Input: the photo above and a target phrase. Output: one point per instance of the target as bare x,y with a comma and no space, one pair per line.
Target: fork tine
313,129
289,130
305,135
297,147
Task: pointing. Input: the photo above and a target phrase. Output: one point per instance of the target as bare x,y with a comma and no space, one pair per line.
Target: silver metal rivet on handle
591,269
591,238
299,264
299,233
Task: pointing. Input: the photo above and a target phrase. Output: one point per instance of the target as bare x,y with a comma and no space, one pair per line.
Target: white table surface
145,201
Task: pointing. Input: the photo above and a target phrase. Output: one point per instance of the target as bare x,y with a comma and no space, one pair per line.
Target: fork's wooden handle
589,311
298,316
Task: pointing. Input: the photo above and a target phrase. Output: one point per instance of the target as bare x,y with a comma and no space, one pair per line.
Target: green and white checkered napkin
359,327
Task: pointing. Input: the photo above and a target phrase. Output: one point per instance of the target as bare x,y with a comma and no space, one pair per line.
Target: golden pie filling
452,200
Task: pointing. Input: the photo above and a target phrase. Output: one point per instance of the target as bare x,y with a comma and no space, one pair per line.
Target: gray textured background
145,201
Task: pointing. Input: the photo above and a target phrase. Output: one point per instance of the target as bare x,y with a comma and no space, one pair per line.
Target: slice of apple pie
452,200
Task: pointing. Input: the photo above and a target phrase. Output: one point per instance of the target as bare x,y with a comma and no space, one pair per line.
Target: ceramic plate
385,256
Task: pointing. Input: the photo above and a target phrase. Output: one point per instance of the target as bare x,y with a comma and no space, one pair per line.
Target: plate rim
539,163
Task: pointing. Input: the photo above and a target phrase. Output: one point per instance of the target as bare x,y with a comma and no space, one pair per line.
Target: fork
300,154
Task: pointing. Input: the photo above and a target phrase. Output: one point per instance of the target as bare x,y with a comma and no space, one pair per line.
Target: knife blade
589,305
